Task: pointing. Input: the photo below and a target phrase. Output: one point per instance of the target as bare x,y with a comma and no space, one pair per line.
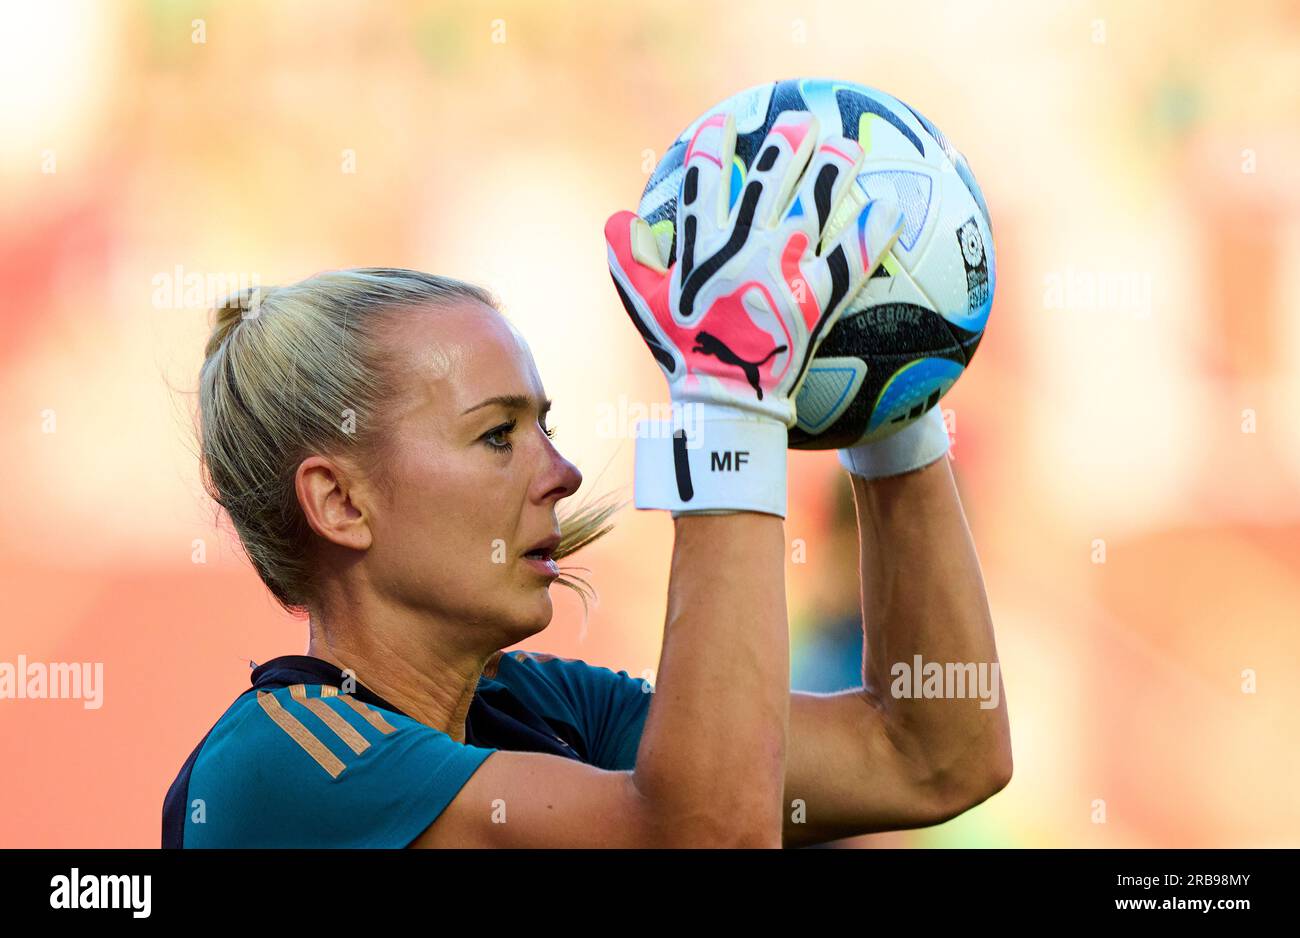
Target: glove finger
776,170
838,275
705,197
630,237
859,248
640,278
833,170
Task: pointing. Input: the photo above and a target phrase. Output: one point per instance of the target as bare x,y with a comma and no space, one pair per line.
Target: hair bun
233,310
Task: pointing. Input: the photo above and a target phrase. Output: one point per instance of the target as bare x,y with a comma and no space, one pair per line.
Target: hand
735,320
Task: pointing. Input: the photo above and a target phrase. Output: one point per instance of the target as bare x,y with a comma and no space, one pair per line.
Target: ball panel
829,388
917,188
890,317
910,392
912,191
879,404
958,163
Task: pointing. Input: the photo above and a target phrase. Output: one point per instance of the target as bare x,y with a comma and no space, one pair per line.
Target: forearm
923,595
712,755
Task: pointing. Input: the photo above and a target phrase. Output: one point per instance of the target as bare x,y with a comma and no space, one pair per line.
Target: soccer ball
907,337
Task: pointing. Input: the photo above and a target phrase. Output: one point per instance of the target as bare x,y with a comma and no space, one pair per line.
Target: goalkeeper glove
735,320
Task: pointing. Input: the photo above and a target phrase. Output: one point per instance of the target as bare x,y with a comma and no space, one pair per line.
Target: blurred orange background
1126,443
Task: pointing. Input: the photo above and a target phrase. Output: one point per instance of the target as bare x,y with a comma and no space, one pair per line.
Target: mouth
542,556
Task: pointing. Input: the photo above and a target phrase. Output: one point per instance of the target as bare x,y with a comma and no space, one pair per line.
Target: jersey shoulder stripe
303,736
306,766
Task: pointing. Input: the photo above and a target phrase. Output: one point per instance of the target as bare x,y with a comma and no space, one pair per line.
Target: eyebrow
510,402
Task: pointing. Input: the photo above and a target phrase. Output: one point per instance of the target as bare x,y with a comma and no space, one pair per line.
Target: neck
431,679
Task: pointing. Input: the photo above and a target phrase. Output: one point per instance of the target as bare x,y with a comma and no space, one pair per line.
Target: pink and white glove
735,320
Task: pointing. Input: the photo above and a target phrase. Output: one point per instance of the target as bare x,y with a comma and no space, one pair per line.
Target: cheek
452,515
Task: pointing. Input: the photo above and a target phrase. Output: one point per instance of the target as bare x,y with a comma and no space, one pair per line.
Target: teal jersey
296,762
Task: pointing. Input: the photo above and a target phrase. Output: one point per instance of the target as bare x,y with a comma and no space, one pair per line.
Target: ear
330,502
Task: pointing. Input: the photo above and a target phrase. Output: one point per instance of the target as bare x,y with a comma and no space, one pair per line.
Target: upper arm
532,799
849,774
841,764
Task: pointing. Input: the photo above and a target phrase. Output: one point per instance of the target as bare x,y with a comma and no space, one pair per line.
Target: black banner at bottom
817,887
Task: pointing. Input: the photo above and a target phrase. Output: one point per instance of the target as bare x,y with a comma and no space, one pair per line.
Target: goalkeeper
424,539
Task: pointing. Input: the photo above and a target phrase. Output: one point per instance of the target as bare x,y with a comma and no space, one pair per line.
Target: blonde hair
294,370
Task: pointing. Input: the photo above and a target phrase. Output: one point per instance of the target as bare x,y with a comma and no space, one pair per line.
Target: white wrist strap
912,447
718,465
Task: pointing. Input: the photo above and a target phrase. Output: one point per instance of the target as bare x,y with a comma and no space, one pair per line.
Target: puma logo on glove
711,345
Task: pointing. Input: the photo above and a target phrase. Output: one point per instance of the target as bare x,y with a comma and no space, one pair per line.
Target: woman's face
474,478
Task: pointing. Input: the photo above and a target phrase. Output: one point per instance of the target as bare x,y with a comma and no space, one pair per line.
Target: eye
549,431
496,437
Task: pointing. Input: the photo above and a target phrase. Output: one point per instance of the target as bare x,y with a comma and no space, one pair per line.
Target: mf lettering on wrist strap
715,466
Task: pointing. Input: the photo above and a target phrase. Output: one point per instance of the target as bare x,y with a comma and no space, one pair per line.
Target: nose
560,479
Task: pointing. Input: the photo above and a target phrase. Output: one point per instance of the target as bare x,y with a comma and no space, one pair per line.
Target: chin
531,614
